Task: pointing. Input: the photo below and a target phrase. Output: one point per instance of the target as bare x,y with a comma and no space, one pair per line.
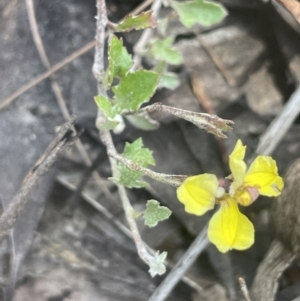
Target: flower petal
263,174
229,228
237,166
198,193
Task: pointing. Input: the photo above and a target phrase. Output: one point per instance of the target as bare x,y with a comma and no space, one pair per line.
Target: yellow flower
198,193
262,176
229,228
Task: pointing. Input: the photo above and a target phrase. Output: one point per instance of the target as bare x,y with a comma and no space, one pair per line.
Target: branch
181,267
57,147
210,123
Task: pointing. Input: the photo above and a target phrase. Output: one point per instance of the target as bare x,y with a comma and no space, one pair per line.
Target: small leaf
162,50
155,213
156,265
137,153
105,105
109,120
205,13
119,61
134,89
143,122
169,80
144,20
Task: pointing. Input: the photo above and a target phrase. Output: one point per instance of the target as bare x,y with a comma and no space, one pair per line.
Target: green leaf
137,153
162,50
143,121
205,13
119,61
156,265
134,89
144,20
169,80
105,105
155,213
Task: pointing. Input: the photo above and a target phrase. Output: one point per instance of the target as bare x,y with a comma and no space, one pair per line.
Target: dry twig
184,263
57,147
89,46
57,92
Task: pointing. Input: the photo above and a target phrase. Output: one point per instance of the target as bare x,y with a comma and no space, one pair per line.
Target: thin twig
7,101
217,61
139,47
244,289
57,92
89,46
185,262
210,123
60,144
173,180
98,71
280,125
121,227
206,103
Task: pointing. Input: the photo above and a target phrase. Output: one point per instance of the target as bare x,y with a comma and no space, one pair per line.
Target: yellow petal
198,193
237,165
263,174
229,228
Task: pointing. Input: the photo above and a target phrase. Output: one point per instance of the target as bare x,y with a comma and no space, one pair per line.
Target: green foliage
137,153
162,50
144,20
169,80
157,266
143,122
134,89
155,213
199,11
119,61
108,110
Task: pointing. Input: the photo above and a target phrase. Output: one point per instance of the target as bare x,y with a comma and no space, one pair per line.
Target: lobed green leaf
162,50
134,89
109,111
169,80
205,13
155,213
137,153
142,21
119,61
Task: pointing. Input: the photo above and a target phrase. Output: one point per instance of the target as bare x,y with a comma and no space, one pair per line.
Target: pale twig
57,147
7,101
173,180
89,46
121,227
265,283
98,71
184,263
217,61
205,101
144,39
280,125
244,289
57,91
141,248
210,123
